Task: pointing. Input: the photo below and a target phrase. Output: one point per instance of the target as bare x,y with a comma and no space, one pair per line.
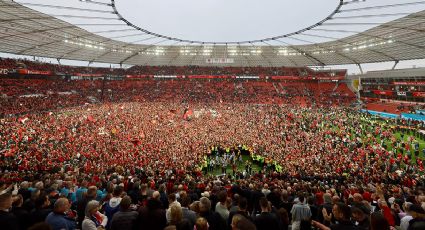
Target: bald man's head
357,197
156,195
61,205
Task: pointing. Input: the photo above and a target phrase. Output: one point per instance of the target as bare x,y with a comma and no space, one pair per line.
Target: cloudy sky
225,20
228,20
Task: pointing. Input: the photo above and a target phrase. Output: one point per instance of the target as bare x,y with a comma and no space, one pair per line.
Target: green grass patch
406,135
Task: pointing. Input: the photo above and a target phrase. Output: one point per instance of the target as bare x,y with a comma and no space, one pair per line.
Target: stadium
242,114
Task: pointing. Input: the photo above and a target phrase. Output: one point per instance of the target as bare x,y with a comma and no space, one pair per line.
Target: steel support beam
360,68
395,64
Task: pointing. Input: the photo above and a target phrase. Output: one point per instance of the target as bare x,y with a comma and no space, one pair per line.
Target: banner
416,117
247,77
401,93
418,94
285,78
210,77
219,60
233,77
383,92
409,83
32,95
422,112
33,72
4,71
381,114
305,78
88,75
326,78
139,76
167,76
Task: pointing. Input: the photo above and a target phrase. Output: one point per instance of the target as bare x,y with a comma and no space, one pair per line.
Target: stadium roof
26,31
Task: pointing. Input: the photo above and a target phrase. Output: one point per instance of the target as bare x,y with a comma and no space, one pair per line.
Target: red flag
136,142
188,114
90,118
23,119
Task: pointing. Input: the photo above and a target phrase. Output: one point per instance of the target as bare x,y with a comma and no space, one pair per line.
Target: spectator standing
93,219
300,211
152,216
266,220
58,219
125,219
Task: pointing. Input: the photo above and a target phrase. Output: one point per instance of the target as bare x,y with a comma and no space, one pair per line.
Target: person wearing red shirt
367,196
386,211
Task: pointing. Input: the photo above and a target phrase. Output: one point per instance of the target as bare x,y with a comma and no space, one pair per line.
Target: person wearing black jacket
418,221
242,210
266,220
256,196
215,221
21,213
24,191
7,219
326,205
314,209
124,219
360,213
134,192
29,204
152,216
42,209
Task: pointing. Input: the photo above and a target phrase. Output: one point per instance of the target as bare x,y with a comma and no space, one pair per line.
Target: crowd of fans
19,96
135,161
9,63
147,156
198,70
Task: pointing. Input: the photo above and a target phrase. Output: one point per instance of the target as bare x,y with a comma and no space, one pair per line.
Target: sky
228,20
225,20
